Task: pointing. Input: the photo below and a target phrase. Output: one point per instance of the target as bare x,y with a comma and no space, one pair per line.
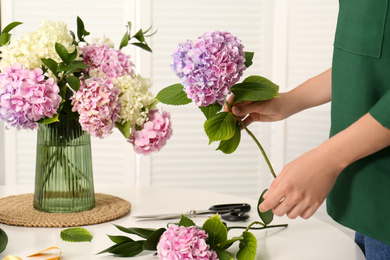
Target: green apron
360,85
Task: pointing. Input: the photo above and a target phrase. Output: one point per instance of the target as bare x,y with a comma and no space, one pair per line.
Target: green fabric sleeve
381,110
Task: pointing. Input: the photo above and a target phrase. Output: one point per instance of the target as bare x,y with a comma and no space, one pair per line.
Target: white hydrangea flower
31,47
97,74
135,99
103,40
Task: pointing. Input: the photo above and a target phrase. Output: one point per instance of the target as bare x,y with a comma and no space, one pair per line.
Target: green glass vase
63,172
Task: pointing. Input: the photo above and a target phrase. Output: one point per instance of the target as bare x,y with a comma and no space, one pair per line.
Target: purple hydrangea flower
209,66
105,61
154,133
97,104
183,243
26,97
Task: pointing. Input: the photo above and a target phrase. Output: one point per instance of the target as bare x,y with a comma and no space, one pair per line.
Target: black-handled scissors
230,212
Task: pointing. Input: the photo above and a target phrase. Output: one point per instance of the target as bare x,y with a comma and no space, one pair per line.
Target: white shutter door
188,160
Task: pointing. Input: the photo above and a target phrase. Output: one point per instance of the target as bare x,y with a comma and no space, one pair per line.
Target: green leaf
3,240
142,232
154,104
267,216
81,32
10,26
249,59
73,55
229,242
223,254
260,79
216,230
48,120
186,222
220,127
62,52
62,67
125,249
125,41
173,95
75,66
229,146
4,38
248,247
120,239
124,128
152,241
139,35
74,42
51,65
73,82
76,234
143,46
253,91
210,110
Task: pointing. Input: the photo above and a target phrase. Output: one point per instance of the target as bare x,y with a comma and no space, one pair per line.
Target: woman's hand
304,183
302,186
263,111
313,92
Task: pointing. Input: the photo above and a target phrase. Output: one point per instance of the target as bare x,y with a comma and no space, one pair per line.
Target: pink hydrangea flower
184,243
26,97
103,60
154,133
209,66
97,104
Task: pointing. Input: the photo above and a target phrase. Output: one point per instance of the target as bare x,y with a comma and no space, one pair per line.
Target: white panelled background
292,40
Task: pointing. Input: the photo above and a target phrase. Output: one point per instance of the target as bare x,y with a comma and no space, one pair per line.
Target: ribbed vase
63,172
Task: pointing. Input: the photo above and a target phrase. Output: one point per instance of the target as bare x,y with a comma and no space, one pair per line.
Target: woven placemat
19,211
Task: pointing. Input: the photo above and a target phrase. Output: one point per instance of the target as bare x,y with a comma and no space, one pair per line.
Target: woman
352,168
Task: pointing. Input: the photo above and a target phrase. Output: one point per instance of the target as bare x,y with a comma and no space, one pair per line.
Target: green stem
259,228
256,141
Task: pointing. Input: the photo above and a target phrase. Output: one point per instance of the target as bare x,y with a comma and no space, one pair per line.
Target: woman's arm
315,91
304,183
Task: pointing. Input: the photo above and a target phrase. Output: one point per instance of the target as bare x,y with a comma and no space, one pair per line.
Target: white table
303,239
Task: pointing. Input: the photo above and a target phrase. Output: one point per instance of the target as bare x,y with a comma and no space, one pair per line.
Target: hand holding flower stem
254,139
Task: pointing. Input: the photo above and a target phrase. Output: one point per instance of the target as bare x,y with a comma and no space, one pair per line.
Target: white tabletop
302,240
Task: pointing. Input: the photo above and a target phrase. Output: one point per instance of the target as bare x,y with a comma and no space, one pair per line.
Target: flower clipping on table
53,72
187,241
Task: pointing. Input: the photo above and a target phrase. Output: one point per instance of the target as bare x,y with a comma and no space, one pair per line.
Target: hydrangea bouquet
51,72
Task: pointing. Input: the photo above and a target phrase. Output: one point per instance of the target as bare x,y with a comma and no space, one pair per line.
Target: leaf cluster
127,247
220,125
139,36
68,73
5,36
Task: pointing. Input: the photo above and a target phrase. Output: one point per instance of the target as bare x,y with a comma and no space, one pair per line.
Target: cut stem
259,228
254,139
